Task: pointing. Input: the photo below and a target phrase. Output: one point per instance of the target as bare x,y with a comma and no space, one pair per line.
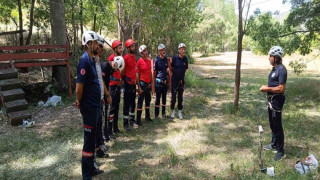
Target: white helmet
276,51
89,36
120,62
142,48
100,39
161,46
181,45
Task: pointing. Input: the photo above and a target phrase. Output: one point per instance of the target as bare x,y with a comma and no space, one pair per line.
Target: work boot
126,125
156,112
116,130
172,114
112,136
96,172
101,154
180,114
148,119
139,118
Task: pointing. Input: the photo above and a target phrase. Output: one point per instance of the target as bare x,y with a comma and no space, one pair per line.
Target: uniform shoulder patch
83,71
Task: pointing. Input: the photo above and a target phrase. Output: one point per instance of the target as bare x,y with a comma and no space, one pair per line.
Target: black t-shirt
106,72
277,76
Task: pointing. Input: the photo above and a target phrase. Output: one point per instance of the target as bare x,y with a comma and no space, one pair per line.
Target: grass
212,142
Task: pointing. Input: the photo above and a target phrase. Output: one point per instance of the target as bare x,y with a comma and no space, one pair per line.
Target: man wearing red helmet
129,77
111,122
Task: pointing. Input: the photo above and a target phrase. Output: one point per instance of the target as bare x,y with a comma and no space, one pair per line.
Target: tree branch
246,21
314,30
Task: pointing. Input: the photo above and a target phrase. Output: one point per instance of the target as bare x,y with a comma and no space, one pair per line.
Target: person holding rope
145,84
276,98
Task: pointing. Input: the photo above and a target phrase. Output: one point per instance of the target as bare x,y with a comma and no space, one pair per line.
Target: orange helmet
116,43
129,42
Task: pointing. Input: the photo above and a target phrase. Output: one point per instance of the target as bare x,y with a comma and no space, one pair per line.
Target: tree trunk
31,22
73,25
95,20
59,36
136,38
239,52
81,17
20,23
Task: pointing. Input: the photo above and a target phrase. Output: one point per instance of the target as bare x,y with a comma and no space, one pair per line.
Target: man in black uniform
160,68
179,67
88,100
276,98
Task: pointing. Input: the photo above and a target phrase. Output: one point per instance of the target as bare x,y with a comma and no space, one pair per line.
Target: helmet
89,36
142,48
100,39
116,43
161,46
129,42
181,45
276,51
120,62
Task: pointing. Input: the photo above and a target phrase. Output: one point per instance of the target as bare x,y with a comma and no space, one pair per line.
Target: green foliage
297,66
299,31
6,8
218,28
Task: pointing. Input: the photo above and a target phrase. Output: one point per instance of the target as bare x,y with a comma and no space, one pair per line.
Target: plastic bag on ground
53,101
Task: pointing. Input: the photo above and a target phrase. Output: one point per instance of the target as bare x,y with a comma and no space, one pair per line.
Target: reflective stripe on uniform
87,154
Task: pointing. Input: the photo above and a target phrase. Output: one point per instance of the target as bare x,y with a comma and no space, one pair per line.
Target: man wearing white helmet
115,91
276,98
108,69
101,149
88,100
160,67
179,66
144,81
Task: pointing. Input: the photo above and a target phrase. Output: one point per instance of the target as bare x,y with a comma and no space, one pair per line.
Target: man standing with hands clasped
88,100
276,98
179,66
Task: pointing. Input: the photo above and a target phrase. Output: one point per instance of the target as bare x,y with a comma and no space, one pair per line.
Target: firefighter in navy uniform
129,78
88,99
145,85
179,66
276,98
160,69
111,122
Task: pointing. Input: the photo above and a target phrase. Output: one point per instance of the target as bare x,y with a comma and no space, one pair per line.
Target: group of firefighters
100,83
99,86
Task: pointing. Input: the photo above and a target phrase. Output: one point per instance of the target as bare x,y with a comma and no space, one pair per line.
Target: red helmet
116,43
129,42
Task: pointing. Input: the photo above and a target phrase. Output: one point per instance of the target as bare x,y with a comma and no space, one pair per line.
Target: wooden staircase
14,104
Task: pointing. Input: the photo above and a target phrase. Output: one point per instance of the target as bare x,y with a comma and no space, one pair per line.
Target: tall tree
20,23
59,36
241,32
31,22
